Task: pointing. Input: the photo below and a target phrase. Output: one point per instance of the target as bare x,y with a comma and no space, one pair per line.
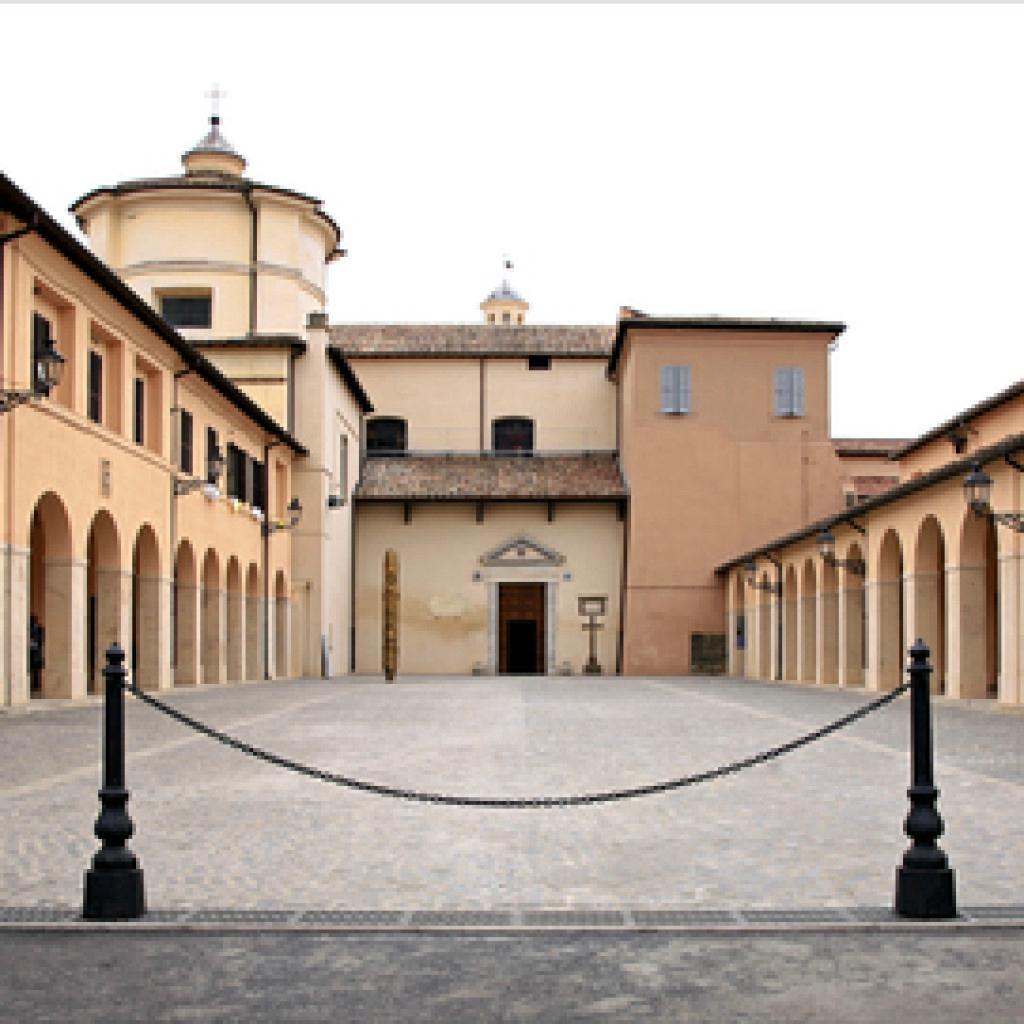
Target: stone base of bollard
925,894
114,895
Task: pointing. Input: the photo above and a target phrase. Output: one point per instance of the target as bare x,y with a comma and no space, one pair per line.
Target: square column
827,638
1011,580
65,590
851,633
14,625
188,664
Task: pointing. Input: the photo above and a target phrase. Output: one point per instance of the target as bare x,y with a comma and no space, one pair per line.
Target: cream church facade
525,474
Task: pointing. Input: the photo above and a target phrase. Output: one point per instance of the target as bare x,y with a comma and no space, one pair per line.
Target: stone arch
53,580
927,593
185,616
105,598
252,622
828,625
236,620
853,621
790,608
886,616
281,608
807,629
973,592
212,620
146,638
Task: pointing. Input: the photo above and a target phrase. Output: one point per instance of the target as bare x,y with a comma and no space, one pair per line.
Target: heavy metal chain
519,802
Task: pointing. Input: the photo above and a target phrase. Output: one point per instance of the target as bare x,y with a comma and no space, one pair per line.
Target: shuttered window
236,472
789,391
95,387
185,442
259,486
40,343
675,389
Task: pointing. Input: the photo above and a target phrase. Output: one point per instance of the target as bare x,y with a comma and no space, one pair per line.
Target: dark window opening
512,434
140,410
539,362
237,466
187,310
95,387
386,436
41,341
211,454
185,442
259,486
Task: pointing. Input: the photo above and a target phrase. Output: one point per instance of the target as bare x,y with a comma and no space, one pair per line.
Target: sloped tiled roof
462,340
474,476
867,446
873,485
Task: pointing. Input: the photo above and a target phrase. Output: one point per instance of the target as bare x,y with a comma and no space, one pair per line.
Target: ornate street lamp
827,549
978,494
47,371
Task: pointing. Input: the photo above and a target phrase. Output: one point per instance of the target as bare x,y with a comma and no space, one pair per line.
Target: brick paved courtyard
817,828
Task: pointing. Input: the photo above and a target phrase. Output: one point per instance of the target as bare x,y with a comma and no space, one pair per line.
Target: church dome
213,153
504,293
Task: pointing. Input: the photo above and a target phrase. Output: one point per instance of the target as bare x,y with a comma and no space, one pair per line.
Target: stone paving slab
820,829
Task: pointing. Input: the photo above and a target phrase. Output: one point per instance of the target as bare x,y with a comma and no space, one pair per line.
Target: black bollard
924,884
113,885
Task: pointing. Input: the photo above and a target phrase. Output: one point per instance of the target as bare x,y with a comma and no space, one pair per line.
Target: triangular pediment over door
522,550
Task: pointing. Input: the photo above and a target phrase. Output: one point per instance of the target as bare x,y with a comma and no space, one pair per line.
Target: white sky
858,163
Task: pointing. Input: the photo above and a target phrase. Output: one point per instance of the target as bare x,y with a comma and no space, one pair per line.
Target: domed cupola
213,154
505,305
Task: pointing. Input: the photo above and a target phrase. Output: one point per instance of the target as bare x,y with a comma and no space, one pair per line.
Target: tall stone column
152,665
851,632
806,645
14,625
213,632
966,643
235,636
885,654
253,618
775,638
65,590
1010,583
790,637
827,638
188,663
923,617
113,618
282,638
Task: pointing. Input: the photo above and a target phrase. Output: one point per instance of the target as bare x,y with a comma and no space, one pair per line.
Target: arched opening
789,627
889,626
975,653
280,626
185,614
808,623
853,650
929,597
739,625
253,662
828,625
104,587
145,660
211,645
51,588
236,620
764,629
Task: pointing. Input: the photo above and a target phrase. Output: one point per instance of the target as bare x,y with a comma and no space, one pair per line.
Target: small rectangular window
185,442
187,310
789,391
211,453
259,486
250,481
236,471
539,362
41,329
140,410
675,389
95,386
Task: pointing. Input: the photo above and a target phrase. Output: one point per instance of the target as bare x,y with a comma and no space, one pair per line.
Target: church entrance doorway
521,628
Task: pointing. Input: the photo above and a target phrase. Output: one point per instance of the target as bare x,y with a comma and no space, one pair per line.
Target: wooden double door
521,628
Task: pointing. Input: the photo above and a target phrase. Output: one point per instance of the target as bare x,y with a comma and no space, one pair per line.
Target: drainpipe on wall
265,529
352,540
253,246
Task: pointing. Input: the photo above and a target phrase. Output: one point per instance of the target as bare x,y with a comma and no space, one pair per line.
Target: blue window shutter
798,406
668,389
684,389
782,388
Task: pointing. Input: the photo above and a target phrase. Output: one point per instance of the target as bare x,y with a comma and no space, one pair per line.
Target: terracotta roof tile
475,476
460,340
873,485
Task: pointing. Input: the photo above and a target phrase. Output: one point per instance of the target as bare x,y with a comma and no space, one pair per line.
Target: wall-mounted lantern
294,518
827,549
208,484
47,369
978,495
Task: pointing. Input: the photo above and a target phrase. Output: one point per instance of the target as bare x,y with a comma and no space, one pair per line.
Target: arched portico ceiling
105,546
51,515
522,550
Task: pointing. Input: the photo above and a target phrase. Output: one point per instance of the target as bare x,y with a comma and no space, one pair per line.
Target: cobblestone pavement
821,827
